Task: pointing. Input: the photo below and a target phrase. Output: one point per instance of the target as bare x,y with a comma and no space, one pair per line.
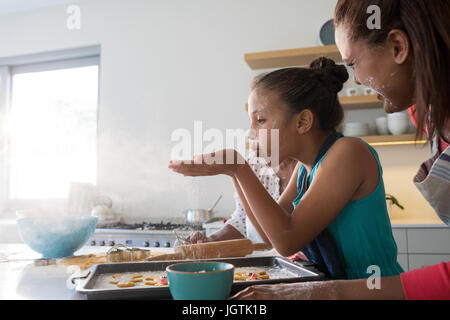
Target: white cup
382,125
398,123
399,115
356,129
351,92
368,91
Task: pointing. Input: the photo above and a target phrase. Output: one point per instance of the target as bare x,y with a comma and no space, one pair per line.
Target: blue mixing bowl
56,237
200,280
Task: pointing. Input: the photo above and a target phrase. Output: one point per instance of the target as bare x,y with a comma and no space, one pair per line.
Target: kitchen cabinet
422,245
428,240
417,261
402,259
401,240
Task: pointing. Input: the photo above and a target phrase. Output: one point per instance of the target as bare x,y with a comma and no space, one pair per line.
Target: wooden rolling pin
218,249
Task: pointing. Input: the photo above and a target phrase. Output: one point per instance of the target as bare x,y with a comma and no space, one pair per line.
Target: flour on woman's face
388,106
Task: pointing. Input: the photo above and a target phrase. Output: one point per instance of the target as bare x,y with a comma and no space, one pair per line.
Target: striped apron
433,181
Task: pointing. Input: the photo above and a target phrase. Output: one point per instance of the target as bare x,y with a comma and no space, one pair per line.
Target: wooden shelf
355,102
392,140
290,57
360,102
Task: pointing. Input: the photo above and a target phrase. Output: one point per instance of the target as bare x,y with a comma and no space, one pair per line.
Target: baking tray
86,284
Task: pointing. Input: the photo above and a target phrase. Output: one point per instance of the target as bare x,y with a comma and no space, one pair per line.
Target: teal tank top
362,231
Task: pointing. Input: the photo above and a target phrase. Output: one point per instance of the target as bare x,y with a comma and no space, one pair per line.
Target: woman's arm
228,232
390,289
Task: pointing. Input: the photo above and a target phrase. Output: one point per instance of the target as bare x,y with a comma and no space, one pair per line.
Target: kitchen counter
409,222
24,280
396,223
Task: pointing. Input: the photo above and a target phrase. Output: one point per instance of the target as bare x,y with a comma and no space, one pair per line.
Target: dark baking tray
303,273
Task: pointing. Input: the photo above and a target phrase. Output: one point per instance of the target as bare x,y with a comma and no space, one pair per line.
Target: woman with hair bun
334,207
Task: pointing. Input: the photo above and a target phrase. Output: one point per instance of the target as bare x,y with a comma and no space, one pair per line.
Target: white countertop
24,281
411,222
407,222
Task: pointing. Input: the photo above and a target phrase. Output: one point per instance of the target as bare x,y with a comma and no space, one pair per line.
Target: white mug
382,125
368,91
352,92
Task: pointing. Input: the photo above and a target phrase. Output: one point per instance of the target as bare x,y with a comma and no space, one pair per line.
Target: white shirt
271,182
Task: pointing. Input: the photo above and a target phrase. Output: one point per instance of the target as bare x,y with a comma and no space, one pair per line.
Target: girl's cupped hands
226,161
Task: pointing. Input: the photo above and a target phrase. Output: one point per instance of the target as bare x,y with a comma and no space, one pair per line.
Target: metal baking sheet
302,273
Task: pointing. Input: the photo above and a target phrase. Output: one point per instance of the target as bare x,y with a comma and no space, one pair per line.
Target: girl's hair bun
332,75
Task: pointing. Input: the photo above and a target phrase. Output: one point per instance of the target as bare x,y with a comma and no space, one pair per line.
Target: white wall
164,65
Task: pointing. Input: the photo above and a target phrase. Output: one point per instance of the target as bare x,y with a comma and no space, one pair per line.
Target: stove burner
150,226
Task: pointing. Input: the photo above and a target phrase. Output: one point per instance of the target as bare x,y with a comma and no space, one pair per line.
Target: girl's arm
285,201
290,193
336,181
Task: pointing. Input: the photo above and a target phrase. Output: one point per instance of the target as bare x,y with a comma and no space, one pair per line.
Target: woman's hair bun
333,75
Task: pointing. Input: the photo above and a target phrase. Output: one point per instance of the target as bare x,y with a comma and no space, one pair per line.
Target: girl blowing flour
334,207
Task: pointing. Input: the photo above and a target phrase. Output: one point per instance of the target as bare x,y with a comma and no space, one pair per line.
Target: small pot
197,217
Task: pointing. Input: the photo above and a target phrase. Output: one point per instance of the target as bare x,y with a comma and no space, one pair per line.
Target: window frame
63,59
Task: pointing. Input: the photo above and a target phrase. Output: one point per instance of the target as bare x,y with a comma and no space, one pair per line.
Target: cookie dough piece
125,285
260,273
159,284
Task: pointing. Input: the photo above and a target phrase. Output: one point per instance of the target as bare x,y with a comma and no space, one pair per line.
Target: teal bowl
56,237
200,280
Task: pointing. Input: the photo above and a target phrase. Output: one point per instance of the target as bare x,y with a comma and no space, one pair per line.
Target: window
51,128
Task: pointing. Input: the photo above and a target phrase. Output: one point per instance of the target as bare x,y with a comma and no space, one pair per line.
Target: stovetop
143,234
146,226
